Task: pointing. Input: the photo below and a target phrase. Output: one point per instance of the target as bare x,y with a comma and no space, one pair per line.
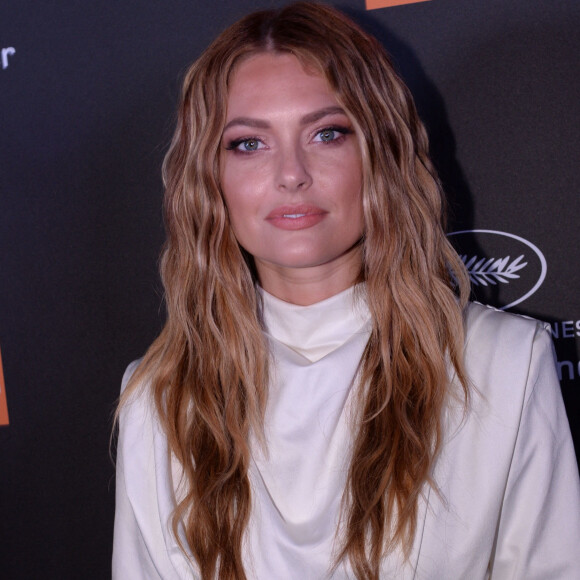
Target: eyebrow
321,113
306,120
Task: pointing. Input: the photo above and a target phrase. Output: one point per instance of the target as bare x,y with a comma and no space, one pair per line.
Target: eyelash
234,144
342,131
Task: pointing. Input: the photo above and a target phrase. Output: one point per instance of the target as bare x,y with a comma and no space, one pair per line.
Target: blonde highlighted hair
210,382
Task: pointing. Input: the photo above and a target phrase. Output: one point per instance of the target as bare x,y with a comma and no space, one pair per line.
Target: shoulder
482,321
506,352
504,336
129,371
137,412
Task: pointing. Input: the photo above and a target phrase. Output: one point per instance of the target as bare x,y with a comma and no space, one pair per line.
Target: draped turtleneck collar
316,330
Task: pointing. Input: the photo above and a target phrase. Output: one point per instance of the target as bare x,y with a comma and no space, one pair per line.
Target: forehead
271,79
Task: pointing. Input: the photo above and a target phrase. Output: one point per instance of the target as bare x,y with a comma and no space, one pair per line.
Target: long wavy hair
210,381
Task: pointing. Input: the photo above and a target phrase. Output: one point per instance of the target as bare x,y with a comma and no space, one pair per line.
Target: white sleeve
538,536
131,557
144,547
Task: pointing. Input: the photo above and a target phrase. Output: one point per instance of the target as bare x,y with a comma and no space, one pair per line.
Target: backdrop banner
88,92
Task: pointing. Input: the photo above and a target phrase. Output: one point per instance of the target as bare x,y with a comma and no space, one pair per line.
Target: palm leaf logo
490,271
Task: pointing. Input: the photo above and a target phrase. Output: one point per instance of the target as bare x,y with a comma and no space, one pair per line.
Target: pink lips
296,217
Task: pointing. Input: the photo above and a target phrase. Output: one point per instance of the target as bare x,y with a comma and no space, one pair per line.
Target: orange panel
372,4
3,405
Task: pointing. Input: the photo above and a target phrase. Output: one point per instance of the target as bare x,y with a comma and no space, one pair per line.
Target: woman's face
291,171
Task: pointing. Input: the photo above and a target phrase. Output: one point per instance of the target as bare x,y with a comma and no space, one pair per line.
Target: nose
293,174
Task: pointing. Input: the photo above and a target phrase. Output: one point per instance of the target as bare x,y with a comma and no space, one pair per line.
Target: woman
322,401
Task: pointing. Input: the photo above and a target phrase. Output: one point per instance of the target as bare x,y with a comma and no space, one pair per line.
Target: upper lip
301,209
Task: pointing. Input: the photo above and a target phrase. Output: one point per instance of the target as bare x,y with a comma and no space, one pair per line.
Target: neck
306,286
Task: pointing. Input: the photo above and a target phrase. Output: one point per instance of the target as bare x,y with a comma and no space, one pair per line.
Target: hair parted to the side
210,381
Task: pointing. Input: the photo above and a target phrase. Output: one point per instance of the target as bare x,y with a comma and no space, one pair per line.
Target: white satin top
509,501
298,486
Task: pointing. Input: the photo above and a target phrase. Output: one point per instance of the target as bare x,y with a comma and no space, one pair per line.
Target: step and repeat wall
87,98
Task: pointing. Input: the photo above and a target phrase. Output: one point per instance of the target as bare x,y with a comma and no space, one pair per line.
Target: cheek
241,214
350,176
240,187
232,192
236,212
241,203
354,191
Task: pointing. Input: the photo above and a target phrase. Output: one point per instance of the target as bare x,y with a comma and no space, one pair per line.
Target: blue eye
250,145
331,134
246,145
327,135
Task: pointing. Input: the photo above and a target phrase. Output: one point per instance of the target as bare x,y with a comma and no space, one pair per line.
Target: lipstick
296,217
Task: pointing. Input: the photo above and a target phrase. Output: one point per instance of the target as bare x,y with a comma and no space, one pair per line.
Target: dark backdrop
87,98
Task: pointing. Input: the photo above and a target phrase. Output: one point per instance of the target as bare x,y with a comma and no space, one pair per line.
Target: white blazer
508,500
